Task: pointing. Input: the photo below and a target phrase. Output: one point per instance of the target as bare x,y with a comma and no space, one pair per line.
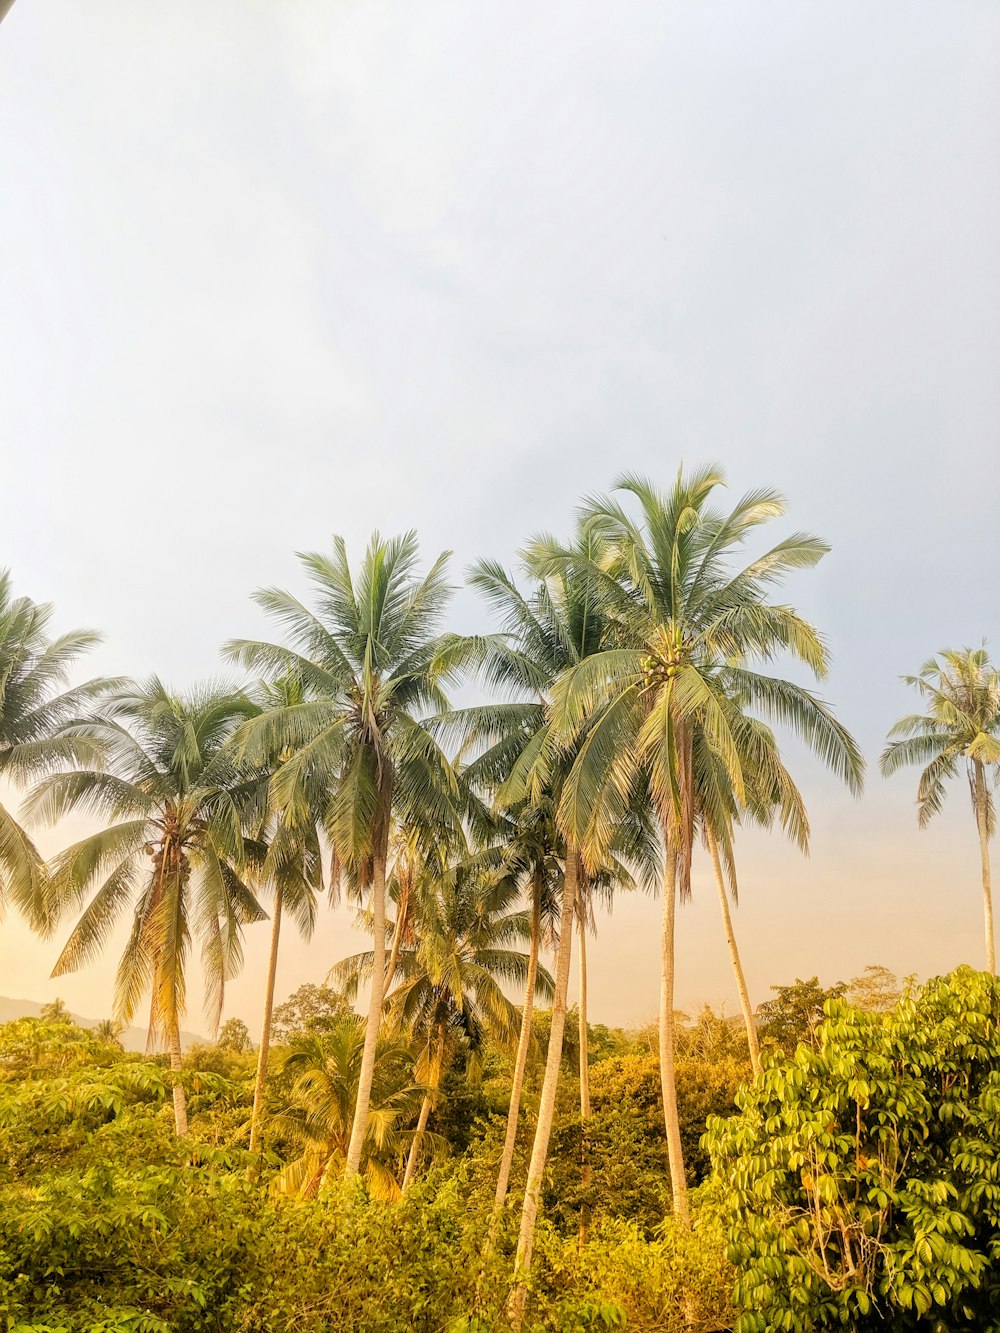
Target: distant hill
133,1039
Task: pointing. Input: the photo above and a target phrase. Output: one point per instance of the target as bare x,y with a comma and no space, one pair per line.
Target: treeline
628,726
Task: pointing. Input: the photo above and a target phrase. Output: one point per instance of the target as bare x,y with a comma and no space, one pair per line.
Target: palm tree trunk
151,1029
353,1162
984,859
411,1161
668,1077
397,938
523,1045
547,1105
265,1031
436,1075
584,1083
180,1099
734,954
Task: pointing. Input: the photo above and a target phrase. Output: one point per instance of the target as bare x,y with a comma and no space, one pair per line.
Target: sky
271,272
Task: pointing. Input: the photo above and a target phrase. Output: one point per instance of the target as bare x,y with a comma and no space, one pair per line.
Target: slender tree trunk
668,1077
523,1045
436,1074
151,1029
411,1161
397,938
180,1099
265,1031
360,1123
984,859
547,1105
584,1084
734,954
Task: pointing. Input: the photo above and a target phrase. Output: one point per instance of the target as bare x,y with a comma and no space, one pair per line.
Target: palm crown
962,723
179,810
326,1069
688,638
371,664
34,703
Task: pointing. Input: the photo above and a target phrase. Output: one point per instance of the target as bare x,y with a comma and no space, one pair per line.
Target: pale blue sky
273,271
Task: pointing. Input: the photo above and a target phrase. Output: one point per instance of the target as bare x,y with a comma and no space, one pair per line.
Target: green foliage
310,1009
795,1013
861,1179
107,1222
877,990
234,1035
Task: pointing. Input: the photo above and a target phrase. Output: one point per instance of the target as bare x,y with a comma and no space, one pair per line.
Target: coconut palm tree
290,862
372,665
769,795
291,869
688,632
961,690
34,704
554,628
176,850
450,995
319,1117
529,855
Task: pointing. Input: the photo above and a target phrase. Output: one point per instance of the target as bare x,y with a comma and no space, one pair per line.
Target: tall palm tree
34,704
176,850
372,663
688,633
290,862
530,856
769,794
319,1117
962,723
543,634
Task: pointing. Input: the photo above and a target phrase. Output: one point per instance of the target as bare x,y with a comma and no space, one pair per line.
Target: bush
861,1179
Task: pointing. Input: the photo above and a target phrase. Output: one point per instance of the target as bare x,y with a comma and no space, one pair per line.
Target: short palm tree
450,994
176,851
372,664
688,632
326,1068
34,704
961,726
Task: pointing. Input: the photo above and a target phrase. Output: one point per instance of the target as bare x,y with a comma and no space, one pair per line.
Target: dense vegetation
357,1172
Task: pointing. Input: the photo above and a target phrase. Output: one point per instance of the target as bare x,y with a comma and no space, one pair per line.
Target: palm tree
449,995
34,704
769,794
529,856
109,1031
544,634
372,665
176,849
291,867
687,632
327,1069
962,722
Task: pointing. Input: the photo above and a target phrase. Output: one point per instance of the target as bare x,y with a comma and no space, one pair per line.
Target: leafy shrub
861,1179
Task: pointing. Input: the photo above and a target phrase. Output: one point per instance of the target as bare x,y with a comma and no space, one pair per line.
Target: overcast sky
273,271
